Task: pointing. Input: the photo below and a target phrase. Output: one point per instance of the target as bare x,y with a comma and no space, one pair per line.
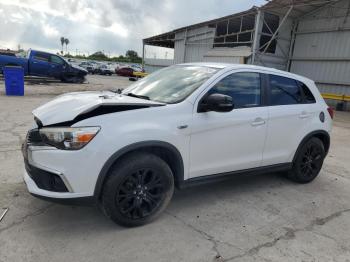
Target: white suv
179,126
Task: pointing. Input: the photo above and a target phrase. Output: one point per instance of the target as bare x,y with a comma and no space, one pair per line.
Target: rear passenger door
291,108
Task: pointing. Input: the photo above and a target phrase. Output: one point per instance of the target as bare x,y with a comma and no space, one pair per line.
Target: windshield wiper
138,96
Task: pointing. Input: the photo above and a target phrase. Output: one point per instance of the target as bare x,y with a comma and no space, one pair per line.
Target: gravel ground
250,218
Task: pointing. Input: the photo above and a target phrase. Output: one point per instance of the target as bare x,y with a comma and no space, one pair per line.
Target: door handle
258,122
34,62
304,114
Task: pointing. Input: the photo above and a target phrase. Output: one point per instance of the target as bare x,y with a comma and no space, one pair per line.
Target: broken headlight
68,138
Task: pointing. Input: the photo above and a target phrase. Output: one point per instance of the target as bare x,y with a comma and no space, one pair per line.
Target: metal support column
143,55
292,44
256,36
185,46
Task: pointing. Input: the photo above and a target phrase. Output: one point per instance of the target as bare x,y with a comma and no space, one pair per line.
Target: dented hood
69,106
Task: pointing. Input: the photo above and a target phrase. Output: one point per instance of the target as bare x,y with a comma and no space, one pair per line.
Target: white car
182,125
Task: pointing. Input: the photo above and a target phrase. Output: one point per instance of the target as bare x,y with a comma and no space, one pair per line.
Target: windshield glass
172,84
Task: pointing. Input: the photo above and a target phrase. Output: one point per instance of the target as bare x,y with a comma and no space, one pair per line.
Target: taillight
331,112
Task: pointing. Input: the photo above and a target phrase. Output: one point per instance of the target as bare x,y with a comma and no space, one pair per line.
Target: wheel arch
166,151
320,134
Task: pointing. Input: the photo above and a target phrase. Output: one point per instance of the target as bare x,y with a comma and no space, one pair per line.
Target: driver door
39,64
230,141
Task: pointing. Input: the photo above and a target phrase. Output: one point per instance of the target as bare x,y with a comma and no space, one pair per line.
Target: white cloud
110,25
17,18
50,31
118,30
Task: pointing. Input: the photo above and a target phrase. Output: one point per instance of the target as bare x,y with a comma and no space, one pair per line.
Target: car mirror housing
216,103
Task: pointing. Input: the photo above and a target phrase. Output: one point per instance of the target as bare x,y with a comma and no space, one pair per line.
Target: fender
179,176
314,134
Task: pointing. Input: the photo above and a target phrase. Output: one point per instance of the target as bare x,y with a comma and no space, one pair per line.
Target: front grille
45,180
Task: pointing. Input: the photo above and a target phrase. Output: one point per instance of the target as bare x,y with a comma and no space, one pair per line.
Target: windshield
172,84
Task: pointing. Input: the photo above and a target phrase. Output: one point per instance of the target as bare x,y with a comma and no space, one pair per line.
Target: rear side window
284,91
244,88
41,57
308,96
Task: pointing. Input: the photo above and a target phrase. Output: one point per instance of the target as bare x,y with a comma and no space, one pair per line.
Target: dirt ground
248,218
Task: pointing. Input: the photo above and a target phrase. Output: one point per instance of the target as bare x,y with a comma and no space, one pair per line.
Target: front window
41,57
244,88
56,60
172,84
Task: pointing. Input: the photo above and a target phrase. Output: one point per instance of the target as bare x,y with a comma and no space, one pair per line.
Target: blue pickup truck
43,64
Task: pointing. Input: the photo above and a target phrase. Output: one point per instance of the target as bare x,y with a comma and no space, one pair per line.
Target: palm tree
66,41
62,43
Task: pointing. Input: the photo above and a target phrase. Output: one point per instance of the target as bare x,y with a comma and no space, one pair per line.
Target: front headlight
68,138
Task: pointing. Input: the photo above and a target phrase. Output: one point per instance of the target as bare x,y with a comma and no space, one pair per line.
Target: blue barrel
14,80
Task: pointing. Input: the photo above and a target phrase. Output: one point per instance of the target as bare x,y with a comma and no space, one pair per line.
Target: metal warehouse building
307,37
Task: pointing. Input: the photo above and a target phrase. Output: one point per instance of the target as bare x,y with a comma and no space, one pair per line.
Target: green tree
62,42
66,41
99,55
131,54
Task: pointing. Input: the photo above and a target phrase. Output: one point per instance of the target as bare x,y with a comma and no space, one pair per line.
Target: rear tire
138,189
308,162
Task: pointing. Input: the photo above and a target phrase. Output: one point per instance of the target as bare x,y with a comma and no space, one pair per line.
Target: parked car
180,126
89,67
127,71
44,64
104,70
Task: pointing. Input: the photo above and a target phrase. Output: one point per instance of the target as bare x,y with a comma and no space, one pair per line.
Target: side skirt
224,176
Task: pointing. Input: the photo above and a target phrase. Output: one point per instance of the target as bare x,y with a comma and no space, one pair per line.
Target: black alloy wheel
140,193
309,161
139,187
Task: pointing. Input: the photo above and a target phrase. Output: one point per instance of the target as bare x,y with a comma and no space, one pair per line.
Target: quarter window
244,88
308,96
284,91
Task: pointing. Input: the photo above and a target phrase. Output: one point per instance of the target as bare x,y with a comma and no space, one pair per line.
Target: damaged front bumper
48,174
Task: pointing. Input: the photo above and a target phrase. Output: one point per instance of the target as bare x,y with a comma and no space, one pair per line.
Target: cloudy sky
113,26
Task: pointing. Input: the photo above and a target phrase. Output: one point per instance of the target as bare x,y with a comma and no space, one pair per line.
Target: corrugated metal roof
300,8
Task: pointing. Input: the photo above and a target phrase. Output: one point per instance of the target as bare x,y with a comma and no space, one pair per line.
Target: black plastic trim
264,89
44,179
146,144
224,176
313,134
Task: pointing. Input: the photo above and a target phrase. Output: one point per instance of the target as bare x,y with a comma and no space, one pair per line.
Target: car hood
73,106
78,68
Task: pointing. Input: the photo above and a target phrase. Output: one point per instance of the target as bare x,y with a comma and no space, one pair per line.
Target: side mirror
216,103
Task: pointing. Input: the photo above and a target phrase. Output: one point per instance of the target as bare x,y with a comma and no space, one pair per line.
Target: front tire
308,162
138,189
73,79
